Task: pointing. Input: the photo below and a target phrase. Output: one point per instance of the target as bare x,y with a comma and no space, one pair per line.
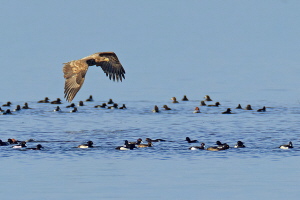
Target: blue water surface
168,170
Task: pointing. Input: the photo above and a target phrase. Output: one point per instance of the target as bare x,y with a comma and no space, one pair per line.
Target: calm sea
168,170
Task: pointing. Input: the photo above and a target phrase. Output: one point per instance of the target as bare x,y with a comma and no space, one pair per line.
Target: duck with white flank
286,146
198,147
239,144
89,144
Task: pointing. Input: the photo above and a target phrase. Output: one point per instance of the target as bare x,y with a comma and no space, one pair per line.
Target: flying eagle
75,70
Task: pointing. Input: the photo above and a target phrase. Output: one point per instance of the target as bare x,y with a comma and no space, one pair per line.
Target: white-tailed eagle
75,70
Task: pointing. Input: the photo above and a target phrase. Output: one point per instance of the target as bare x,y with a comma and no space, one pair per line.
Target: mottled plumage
75,70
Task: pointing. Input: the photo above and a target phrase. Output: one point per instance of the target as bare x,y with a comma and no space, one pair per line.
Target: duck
145,145
197,110
114,106
72,105
89,144
202,103
262,109
26,106
100,106
4,143
286,146
126,146
21,145
90,98
7,104
174,100
110,101
81,103
12,141
38,147
166,107
138,141
57,109
18,108
222,146
239,107
57,101
123,107
214,148
190,141
239,144
155,110
46,100
156,140
215,105
7,112
248,107
198,147
1,110
207,98
228,111
184,98
74,110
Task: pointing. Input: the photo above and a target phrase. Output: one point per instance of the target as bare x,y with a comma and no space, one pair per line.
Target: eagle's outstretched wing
74,73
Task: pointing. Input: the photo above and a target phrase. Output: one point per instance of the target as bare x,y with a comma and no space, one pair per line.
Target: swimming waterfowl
18,108
239,107
126,146
156,140
197,110
72,105
114,106
286,146
21,145
228,111
138,141
248,107
155,110
222,146
89,144
110,101
75,70
166,107
184,98
145,145
57,101
4,143
123,107
214,148
57,109
174,100
262,109
90,98
101,106
74,110
38,147
215,105
239,144
12,141
207,98
198,147
7,104
1,110
190,141
26,106
202,103
81,103
46,100
7,112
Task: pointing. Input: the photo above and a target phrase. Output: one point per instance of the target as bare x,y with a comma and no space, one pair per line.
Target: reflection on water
167,170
